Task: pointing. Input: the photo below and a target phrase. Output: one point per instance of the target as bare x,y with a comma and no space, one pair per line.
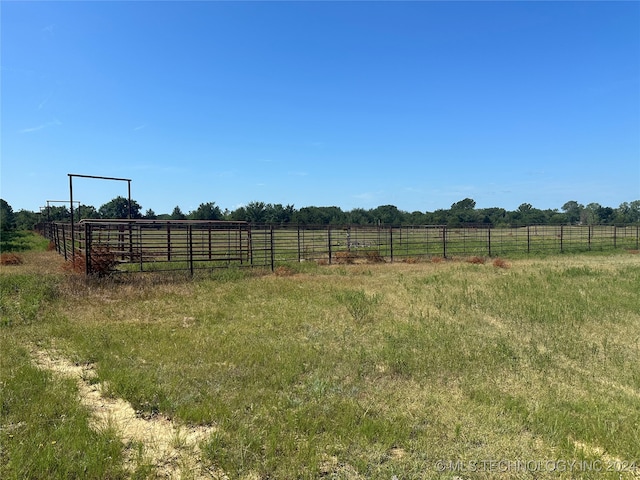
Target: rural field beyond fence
98,246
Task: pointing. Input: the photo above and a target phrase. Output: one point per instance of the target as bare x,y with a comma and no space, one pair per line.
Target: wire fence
100,246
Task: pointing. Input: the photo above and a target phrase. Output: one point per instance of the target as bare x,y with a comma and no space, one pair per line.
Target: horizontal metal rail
154,245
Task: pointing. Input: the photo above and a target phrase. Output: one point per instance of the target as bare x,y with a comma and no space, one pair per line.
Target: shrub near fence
145,245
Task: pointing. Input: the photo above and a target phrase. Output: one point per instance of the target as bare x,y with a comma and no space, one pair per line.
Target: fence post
391,241
528,239
561,237
589,237
250,245
130,238
209,231
637,236
140,249
444,241
299,253
121,241
87,249
329,241
489,239
615,240
64,242
168,242
272,247
190,238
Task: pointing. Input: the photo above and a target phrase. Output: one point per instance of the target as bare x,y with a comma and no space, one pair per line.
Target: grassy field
447,369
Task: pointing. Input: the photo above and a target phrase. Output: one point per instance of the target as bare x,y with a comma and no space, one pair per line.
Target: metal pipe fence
153,245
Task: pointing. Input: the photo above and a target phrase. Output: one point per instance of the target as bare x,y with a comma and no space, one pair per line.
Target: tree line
462,213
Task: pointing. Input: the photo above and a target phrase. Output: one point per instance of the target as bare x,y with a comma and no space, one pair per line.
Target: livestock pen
157,245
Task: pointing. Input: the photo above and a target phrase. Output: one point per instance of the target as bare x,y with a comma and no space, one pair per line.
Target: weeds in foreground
359,304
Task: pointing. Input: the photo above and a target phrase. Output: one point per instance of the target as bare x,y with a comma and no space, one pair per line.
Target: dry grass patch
283,271
11,259
476,260
501,263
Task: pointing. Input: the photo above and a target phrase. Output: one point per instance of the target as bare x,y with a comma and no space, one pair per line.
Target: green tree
572,211
606,215
119,208
493,216
463,212
238,215
388,215
206,211
255,212
591,213
628,213
7,218
279,214
359,216
58,214
177,214
416,218
150,215
27,220
85,211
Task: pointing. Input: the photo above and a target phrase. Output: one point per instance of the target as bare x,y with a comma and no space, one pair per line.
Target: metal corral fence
154,245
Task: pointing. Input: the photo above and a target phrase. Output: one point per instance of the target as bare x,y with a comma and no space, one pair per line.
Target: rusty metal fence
152,245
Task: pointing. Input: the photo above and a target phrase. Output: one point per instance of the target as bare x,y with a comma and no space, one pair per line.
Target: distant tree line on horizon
462,213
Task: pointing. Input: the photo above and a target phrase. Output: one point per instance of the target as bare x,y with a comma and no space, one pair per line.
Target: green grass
360,371
20,241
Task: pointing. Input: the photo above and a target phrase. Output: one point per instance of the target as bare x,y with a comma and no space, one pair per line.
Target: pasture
434,369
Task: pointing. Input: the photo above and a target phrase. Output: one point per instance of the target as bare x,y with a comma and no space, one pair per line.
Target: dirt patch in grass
172,449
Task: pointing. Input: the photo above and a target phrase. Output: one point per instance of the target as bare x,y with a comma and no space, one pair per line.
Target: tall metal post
73,240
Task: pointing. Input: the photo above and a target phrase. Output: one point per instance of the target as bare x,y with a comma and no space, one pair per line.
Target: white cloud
55,121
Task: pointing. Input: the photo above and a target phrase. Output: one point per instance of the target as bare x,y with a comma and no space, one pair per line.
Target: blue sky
353,104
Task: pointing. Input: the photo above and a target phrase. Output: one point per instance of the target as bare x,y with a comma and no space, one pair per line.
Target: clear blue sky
353,104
